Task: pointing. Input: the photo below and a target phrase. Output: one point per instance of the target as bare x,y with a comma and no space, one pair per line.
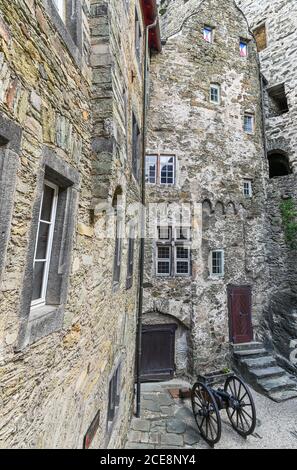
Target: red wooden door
240,314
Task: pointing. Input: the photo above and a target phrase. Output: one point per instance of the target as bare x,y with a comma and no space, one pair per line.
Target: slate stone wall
64,89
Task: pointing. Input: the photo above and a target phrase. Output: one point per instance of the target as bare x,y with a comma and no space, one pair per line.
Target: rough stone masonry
70,76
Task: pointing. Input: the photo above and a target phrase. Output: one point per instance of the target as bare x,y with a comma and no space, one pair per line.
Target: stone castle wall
278,65
63,92
214,156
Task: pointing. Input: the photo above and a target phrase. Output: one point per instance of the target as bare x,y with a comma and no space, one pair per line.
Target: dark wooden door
158,351
240,314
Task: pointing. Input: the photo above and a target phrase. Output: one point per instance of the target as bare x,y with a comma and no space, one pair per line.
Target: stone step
246,346
283,395
277,384
268,372
260,362
251,353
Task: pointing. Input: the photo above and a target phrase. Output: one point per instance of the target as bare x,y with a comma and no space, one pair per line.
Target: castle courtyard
168,423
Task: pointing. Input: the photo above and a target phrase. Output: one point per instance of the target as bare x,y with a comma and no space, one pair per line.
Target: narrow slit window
243,48
208,34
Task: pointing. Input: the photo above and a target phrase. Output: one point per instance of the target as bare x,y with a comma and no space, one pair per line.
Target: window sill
42,322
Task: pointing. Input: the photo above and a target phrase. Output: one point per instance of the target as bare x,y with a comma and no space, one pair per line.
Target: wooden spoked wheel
241,411
206,413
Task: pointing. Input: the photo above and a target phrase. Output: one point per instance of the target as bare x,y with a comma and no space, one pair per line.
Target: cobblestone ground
168,423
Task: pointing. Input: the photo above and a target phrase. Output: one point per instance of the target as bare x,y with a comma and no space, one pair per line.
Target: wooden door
240,314
158,352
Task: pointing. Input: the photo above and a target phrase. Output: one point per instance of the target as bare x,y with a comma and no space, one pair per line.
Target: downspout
143,219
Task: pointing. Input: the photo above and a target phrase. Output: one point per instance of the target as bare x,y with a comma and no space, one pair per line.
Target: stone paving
168,423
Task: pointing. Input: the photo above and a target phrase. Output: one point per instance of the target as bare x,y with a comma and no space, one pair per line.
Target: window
278,103
173,256
44,242
46,276
61,7
248,123
151,169
247,189
217,263
130,264
118,239
208,34
114,395
215,94
160,169
261,37
279,164
136,148
243,48
138,38
166,170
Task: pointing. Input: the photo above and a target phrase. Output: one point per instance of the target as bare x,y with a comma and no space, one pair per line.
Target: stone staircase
260,369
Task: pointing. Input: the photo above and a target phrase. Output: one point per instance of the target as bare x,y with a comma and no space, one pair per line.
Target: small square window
164,233
247,189
243,48
215,94
208,34
248,124
183,233
217,263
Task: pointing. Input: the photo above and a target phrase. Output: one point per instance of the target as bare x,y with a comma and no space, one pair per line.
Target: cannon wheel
241,411
206,413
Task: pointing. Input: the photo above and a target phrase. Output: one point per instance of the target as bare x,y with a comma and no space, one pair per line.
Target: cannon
235,398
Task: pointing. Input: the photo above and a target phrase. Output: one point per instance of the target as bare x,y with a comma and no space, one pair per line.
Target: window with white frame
61,7
217,262
248,123
44,242
208,34
173,251
161,169
215,93
247,189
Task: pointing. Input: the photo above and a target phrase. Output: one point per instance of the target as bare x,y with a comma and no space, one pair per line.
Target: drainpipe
143,219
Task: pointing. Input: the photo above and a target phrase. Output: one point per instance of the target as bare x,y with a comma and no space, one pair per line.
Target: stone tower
205,283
